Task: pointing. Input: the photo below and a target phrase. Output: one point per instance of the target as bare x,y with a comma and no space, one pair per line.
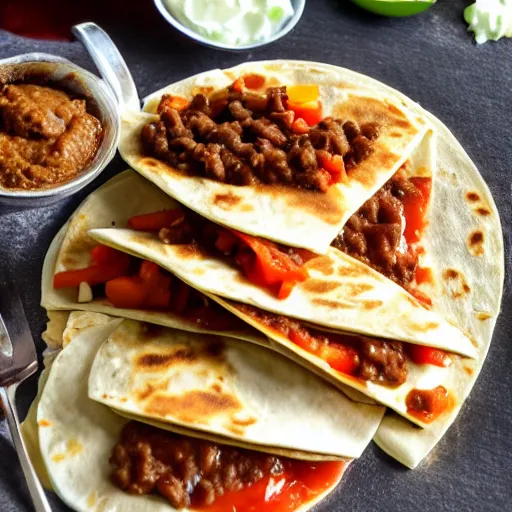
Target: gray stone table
432,59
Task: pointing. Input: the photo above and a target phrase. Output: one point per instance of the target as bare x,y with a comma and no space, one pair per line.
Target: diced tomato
95,274
158,297
127,292
155,221
420,354
415,209
303,339
176,102
312,113
300,94
225,242
424,275
238,85
150,273
299,126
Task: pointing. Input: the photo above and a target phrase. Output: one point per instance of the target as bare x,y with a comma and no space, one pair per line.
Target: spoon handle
110,63
7,395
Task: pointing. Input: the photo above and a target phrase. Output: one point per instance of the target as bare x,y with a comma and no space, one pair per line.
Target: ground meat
256,139
186,471
382,361
373,234
46,137
372,359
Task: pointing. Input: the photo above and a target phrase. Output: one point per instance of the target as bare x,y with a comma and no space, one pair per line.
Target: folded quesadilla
176,456
280,150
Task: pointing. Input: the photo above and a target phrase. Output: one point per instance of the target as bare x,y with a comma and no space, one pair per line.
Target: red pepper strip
415,209
272,265
427,355
155,221
311,114
94,274
285,289
334,165
103,254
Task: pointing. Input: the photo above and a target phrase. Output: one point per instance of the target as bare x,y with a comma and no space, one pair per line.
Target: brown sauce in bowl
47,137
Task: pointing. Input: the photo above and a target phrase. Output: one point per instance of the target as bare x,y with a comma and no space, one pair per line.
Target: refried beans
46,136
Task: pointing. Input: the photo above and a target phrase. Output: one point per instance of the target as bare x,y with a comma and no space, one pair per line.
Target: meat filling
242,138
373,234
46,137
369,359
183,470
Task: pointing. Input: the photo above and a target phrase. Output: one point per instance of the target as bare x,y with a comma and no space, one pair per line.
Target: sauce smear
300,483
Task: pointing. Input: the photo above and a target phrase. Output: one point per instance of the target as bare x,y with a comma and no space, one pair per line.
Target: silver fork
18,361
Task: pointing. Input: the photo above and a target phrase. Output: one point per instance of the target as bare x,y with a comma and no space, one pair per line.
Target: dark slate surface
432,59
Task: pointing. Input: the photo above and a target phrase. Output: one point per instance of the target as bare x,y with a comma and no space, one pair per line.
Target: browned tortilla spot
371,304
216,387
150,389
319,286
482,316
322,264
352,271
484,212
324,205
235,429
245,422
198,406
358,289
189,251
156,362
44,423
469,370
246,208
459,287
476,243
201,90
425,327
226,201
395,135
160,167
472,196
331,303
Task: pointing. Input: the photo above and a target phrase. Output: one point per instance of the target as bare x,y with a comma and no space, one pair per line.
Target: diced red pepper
299,126
238,85
180,296
285,289
415,209
311,113
254,81
420,354
127,292
334,165
155,221
95,274
175,102
103,254
340,358
150,273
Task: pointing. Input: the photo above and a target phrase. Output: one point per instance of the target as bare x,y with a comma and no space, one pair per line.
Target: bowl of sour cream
232,24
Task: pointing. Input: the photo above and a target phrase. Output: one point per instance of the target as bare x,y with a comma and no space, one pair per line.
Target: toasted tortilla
227,388
288,215
76,434
108,206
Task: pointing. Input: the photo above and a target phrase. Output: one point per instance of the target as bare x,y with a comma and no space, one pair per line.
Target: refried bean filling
244,138
184,470
46,137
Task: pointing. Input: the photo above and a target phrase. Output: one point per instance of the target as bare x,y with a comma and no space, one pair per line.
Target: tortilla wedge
300,218
76,447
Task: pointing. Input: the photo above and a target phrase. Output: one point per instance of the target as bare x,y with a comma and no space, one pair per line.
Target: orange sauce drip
428,404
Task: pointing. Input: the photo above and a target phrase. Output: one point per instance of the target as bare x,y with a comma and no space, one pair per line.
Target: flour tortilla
112,204
462,206
227,388
76,434
294,217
